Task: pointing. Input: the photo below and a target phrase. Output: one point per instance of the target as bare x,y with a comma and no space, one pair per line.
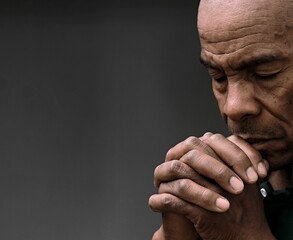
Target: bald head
228,11
219,20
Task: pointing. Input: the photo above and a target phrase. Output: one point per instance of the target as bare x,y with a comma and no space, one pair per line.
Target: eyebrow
256,60
208,64
249,62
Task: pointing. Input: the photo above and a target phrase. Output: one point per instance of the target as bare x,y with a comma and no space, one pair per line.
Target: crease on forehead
222,32
238,16
232,46
224,62
249,28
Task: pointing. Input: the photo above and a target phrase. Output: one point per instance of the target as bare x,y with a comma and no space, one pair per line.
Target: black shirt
279,211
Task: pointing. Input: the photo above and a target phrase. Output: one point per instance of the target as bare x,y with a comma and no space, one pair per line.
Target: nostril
240,103
239,107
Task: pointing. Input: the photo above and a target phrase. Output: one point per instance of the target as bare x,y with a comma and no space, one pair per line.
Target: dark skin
184,190
208,186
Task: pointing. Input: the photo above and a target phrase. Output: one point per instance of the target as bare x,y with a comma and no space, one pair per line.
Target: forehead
243,26
228,14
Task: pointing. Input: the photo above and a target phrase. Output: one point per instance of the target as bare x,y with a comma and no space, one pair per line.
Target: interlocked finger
213,169
187,145
255,157
233,156
175,169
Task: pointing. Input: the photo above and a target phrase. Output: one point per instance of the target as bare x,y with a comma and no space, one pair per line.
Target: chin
279,161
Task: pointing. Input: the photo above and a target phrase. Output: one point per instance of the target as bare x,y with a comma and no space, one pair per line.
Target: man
208,187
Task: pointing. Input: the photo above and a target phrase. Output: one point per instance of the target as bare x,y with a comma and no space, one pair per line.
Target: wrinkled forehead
240,27
234,15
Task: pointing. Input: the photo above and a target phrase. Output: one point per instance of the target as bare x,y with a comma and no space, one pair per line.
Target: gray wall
92,95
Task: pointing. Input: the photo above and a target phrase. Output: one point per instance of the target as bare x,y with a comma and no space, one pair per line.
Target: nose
241,102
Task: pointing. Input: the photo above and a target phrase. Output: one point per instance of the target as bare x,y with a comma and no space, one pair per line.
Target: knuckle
255,155
216,137
222,173
157,172
205,136
206,195
239,158
159,175
192,141
161,202
170,154
208,134
183,185
151,202
233,138
167,201
190,155
165,187
175,167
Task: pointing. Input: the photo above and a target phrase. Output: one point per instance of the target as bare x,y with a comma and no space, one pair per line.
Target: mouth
261,143
257,140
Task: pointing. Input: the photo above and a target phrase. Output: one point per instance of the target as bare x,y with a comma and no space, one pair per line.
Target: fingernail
267,165
261,168
222,203
236,184
251,174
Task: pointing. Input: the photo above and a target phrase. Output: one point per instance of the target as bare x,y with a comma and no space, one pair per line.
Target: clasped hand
208,188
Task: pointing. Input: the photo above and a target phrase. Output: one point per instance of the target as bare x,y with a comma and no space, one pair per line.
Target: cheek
283,95
279,100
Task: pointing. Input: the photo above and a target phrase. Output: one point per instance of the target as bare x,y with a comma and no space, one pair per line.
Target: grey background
92,95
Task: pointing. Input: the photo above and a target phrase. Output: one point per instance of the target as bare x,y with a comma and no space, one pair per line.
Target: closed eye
220,79
266,76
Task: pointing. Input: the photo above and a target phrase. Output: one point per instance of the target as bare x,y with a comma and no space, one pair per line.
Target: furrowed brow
209,65
246,63
254,61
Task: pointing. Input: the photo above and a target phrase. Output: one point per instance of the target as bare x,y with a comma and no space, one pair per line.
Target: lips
258,143
257,140
262,143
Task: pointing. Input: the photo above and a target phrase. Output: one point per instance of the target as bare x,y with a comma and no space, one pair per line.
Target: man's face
247,46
